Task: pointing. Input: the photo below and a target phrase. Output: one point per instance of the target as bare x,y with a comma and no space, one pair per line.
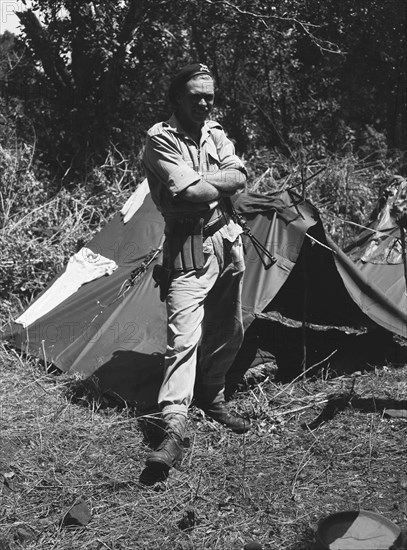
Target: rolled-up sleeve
226,152
162,159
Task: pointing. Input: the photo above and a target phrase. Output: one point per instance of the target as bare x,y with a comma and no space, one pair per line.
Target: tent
378,251
102,316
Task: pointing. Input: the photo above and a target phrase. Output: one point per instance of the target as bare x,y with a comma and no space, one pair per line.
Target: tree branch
323,45
280,139
53,65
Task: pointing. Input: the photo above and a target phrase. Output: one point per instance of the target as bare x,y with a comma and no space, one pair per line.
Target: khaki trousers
203,307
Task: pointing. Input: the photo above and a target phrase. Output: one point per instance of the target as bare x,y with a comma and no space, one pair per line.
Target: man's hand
201,191
227,181
212,186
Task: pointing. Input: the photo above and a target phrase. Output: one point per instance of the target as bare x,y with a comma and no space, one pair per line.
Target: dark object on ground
340,401
252,546
358,530
188,519
78,515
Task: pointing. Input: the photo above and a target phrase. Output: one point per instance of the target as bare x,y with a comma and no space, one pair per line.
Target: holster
162,276
184,240
182,251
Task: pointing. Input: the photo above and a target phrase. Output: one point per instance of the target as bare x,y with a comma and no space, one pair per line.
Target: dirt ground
317,446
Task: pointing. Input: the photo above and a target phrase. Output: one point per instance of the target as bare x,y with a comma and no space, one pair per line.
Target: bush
344,187
41,228
43,223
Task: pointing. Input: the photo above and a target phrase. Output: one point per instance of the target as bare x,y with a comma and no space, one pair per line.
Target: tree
287,71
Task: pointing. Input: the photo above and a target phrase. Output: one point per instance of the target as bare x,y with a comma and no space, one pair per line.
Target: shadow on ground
328,349
339,402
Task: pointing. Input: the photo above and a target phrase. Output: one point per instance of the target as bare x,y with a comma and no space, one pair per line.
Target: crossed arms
165,166
212,186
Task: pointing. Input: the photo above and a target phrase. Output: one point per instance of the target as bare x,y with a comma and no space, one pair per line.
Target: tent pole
304,310
403,253
305,278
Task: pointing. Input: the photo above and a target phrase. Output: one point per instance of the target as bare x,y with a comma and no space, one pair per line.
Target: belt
212,222
213,227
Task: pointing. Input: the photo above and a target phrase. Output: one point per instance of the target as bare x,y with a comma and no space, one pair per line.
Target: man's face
196,101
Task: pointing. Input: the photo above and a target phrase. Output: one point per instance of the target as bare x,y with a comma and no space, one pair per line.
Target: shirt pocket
189,156
211,158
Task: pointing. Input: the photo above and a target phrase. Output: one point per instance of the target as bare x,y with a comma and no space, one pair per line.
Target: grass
42,224
272,485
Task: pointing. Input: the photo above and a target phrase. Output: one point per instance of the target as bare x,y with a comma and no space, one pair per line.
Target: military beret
185,74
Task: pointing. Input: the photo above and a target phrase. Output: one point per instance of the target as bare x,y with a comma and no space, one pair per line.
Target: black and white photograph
203,275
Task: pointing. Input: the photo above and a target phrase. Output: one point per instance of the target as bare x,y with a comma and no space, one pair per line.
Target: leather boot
220,413
169,453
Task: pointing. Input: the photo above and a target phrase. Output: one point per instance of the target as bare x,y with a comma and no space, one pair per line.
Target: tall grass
42,224
344,188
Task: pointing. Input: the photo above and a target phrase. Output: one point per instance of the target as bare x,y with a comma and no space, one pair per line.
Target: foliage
40,230
288,73
97,82
345,188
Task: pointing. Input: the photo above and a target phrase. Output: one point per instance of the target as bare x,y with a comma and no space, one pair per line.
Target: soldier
192,170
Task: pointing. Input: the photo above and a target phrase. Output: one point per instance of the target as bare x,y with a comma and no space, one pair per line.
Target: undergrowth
42,223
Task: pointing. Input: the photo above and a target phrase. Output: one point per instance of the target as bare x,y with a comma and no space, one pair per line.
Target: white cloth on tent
135,200
82,267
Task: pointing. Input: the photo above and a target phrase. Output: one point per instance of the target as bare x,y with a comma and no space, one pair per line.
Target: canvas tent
102,315
378,251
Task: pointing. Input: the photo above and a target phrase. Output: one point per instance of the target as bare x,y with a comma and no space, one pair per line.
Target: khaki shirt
173,162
